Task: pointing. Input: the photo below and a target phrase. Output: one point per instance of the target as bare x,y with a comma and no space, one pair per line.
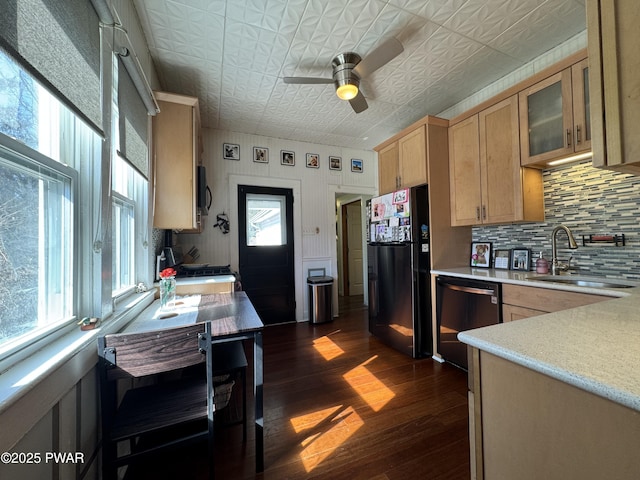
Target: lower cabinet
529,426
526,425
521,302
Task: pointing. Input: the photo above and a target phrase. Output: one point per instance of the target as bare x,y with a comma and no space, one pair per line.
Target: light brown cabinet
614,43
388,169
528,425
403,163
487,183
520,301
554,117
176,154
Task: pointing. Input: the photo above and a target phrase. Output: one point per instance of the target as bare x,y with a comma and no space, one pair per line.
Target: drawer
545,299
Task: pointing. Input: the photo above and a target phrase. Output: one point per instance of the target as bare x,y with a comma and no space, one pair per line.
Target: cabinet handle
484,212
478,213
578,135
568,137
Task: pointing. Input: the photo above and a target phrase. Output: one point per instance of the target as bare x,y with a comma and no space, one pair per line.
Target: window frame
124,201
25,345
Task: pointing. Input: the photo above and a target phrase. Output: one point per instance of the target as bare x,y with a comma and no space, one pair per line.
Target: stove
202,270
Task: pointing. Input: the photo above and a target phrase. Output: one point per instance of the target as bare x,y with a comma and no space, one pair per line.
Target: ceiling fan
349,68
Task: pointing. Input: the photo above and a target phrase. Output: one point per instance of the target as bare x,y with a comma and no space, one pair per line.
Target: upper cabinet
487,183
614,59
388,168
554,117
412,159
403,163
176,154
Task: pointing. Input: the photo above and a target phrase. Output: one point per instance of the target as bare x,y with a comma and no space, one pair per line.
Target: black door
265,217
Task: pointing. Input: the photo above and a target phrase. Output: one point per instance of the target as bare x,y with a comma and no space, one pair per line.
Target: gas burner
205,270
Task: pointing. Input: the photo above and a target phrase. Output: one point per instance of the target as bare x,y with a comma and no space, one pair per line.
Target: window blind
58,41
132,123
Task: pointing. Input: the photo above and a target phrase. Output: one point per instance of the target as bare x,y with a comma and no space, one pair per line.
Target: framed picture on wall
287,157
335,163
231,151
502,259
260,155
520,259
481,254
313,160
356,165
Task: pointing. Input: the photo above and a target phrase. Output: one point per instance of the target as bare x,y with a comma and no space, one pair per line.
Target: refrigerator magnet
401,196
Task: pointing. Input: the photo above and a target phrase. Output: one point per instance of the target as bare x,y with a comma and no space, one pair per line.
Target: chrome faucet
556,267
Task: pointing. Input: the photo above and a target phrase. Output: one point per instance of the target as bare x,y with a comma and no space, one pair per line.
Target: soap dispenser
542,265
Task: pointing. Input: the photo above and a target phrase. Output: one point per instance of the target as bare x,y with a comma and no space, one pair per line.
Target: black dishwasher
464,304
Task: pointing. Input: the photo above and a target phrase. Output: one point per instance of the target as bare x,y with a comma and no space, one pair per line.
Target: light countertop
528,279
594,347
209,279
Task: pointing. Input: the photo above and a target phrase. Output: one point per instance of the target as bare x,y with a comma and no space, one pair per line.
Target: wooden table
224,317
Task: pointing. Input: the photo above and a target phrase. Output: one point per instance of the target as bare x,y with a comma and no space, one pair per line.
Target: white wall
314,199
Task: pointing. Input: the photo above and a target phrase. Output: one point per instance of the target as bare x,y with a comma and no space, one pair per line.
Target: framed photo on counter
502,259
521,259
481,254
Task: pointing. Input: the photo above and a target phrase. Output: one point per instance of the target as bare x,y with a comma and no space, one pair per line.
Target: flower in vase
168,273
167,287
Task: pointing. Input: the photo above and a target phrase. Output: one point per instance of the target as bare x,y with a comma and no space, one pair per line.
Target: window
43,147
57,205
128,214
265,220
129,186
36,243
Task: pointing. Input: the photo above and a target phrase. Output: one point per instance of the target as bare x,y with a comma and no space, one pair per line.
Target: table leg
210,400
257,391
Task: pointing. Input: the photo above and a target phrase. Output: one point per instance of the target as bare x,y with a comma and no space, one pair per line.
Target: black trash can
320,298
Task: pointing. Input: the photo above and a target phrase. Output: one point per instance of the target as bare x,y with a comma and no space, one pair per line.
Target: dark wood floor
340,405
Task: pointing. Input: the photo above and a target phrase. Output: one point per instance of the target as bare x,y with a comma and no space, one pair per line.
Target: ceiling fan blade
386,52
307,80
359,103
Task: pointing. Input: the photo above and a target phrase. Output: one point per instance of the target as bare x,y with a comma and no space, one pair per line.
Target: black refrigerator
398,271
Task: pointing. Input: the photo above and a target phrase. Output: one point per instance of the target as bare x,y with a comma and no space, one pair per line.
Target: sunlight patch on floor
327,348
313,419
328,430
367,385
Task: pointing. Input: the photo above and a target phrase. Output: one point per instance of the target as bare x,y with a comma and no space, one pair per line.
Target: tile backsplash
590,201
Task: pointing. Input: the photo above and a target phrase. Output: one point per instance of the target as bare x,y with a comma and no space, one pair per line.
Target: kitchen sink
581,281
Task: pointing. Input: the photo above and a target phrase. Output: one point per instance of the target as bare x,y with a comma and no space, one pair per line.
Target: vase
167,292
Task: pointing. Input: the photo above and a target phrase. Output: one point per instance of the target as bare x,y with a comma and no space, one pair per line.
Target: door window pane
266,220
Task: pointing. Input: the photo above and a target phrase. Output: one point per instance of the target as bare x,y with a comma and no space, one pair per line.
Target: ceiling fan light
347,91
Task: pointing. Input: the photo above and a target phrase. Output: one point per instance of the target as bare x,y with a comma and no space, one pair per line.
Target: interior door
354,245
266,251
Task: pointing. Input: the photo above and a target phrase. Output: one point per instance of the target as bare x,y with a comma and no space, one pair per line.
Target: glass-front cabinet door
554,116
546,119
581,112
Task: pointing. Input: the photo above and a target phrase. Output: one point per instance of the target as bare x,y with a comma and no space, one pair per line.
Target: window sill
25,375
